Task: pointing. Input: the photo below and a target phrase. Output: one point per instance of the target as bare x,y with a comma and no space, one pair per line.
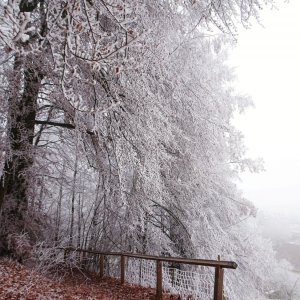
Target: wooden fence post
218,288
159,280
101,265
122,269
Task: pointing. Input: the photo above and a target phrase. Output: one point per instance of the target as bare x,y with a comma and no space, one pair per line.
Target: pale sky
267,64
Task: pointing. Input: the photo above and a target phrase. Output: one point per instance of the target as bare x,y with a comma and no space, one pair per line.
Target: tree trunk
14,181
73,199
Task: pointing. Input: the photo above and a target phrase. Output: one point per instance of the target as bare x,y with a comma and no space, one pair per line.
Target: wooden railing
219,266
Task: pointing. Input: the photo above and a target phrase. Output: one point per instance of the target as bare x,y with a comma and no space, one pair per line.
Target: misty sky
267,64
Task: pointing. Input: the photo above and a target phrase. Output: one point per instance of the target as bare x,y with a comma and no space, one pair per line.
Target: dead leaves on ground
18,282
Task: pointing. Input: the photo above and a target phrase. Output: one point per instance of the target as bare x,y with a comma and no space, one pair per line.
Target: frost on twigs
19,245
48,259
20,236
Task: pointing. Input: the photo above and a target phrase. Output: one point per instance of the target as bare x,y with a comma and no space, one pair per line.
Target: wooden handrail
219,266
188,261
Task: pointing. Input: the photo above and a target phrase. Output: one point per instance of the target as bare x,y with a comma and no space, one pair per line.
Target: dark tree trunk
14,181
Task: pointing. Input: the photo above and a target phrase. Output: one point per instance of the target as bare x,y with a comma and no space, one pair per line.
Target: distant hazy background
267,61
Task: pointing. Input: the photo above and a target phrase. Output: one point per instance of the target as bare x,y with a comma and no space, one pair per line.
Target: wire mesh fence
195,284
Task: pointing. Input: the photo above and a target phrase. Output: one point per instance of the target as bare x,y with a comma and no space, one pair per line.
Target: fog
267,65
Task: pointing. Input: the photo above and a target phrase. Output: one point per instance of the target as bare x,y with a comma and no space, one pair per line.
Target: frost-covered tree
116,129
